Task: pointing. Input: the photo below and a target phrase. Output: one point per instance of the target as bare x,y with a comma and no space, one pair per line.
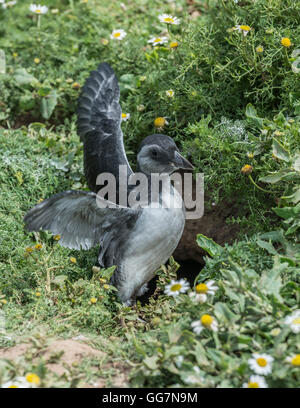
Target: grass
45,296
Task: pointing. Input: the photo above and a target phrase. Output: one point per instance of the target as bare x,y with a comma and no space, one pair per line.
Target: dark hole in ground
188,270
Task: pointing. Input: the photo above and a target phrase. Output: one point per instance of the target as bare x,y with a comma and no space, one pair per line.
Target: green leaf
270,281
22,77
251,114
287,212
267,246
48,104
280,152
2,62
223,313
274,177
209,245
151,362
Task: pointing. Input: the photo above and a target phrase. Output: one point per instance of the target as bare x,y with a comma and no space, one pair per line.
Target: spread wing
99,125
78,219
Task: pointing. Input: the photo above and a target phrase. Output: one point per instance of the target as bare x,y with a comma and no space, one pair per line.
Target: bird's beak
182,163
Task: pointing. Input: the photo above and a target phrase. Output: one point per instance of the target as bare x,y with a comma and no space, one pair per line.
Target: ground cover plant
221,78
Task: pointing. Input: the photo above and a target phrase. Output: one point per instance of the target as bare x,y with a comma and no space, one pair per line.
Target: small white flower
18,382
170,93
261,363
198,297
125,117
38,9
176,287
158,40
8,4
118,34
243,29
293,321
168,19
206,321
256,381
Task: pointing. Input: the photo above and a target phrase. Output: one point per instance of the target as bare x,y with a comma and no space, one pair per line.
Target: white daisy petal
118,34
256,381
168,19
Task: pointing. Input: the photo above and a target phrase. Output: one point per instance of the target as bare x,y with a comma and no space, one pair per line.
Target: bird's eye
154,153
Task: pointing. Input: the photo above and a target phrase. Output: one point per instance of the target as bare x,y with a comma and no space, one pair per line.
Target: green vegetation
236,103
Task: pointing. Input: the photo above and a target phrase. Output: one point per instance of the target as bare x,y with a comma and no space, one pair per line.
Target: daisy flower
8,4
118,34
18,382
176,287
243,29
125,117
247,169
206,321
168,19
170,93
293,321
202,290
160,122
286,42
38,9
261,363
157,40
294,360
33,379
256,381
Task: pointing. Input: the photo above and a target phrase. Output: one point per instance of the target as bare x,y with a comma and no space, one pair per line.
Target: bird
138,239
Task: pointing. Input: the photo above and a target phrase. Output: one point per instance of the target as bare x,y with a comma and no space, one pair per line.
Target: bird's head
159,154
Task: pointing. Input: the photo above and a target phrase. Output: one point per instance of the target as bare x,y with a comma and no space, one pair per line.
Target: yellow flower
295,360
174,44
160,122
247,169
37,294
33,378
37,60
15,54
29,250
106,286
125,116
170,93
102,280
206,320
286,42
76,85
93,300
57,237
73,260
259,48
38,246
40,200
3,301
104,41
250,155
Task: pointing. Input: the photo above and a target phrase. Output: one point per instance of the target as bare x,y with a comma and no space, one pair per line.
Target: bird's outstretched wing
78,219
99,125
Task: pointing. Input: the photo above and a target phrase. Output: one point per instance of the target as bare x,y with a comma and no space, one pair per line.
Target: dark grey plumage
137,240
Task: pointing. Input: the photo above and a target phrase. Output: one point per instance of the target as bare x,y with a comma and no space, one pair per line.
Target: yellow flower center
169,20
176,287
117,35
286,42
245,28
124,115
296,321
253,385
38,246
174,44
93,300
159,122
56,237
247,169
201,288
157,40
13,386
262,362
33,378
206,320
73,260
296,360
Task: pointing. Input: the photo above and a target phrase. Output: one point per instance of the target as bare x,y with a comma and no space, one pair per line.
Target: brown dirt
72,351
